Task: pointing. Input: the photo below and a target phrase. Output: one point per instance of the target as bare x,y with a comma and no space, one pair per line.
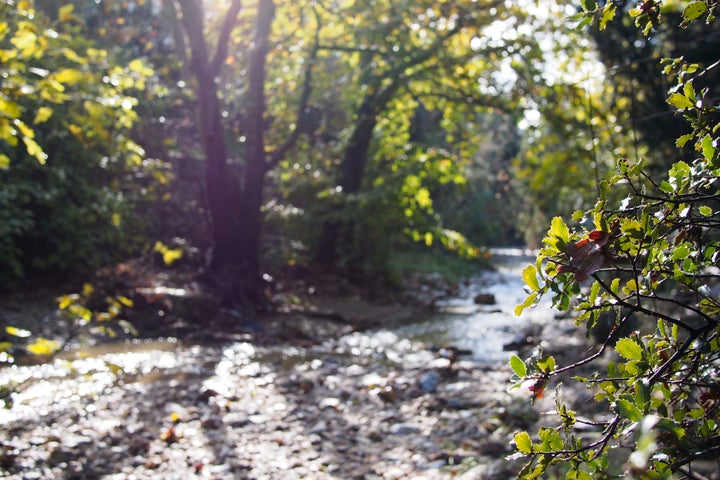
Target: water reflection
484,330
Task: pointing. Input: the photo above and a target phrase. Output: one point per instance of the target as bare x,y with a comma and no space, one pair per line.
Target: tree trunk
256,162
220,188
352,170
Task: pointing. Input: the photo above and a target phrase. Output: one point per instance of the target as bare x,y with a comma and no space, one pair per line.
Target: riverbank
312,392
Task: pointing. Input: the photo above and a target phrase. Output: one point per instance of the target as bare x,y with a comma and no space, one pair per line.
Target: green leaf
681,252
5,346
607,14
693,11
683,139
680,101
529,276
526,304
523,442
628,410
547,364
588,5
708,147
17,332
518,366
666,187
629,349
705,211
559,229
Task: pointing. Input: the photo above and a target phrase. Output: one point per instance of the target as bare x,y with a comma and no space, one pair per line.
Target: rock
404,429
429,381
484,299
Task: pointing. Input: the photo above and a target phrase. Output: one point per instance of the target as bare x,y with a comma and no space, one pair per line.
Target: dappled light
409,239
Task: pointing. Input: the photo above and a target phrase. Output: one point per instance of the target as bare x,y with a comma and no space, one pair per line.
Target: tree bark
221,191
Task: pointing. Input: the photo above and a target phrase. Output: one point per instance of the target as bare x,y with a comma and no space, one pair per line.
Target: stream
361,402
484,330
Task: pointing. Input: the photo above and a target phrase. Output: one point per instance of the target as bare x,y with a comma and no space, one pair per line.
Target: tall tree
235,201
418,53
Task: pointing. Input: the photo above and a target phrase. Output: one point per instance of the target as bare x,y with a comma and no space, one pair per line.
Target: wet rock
404,429
429,381
484,299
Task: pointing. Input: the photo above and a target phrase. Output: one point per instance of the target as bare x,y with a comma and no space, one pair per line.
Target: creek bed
373,404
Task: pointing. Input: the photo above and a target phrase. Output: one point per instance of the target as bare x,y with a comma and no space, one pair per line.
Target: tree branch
278,154
221,49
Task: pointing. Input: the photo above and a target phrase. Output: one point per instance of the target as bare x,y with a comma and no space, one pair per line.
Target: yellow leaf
69,76
43,346
26,42
138,66
35,150
87,290
24,129
73,56
115,220
64,302
170,255
125,301
65,12
42,114
17,332
76,130
4,161
5,346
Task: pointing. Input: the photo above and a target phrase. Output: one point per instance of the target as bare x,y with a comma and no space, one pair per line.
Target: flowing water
486,329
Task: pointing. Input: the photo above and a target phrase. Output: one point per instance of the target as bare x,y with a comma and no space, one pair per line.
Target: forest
359,239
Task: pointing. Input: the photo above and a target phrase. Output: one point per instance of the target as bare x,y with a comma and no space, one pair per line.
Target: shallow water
483,329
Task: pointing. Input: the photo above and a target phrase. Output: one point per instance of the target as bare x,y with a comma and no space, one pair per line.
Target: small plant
76,311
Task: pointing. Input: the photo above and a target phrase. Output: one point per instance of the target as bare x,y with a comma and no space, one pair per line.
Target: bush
654,257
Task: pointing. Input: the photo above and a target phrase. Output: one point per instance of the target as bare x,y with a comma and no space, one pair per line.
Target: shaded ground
307,392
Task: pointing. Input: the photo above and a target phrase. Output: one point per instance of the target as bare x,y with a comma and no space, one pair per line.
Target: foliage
377,70
653,258
69,173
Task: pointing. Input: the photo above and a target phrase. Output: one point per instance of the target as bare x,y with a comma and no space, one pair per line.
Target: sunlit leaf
172,255
42,114
693,11
70,76
125,301
705,211
629,349
17,332
680,252
65,12
529,301
608,14
529,276
43,346
680,101
518,366
523,442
